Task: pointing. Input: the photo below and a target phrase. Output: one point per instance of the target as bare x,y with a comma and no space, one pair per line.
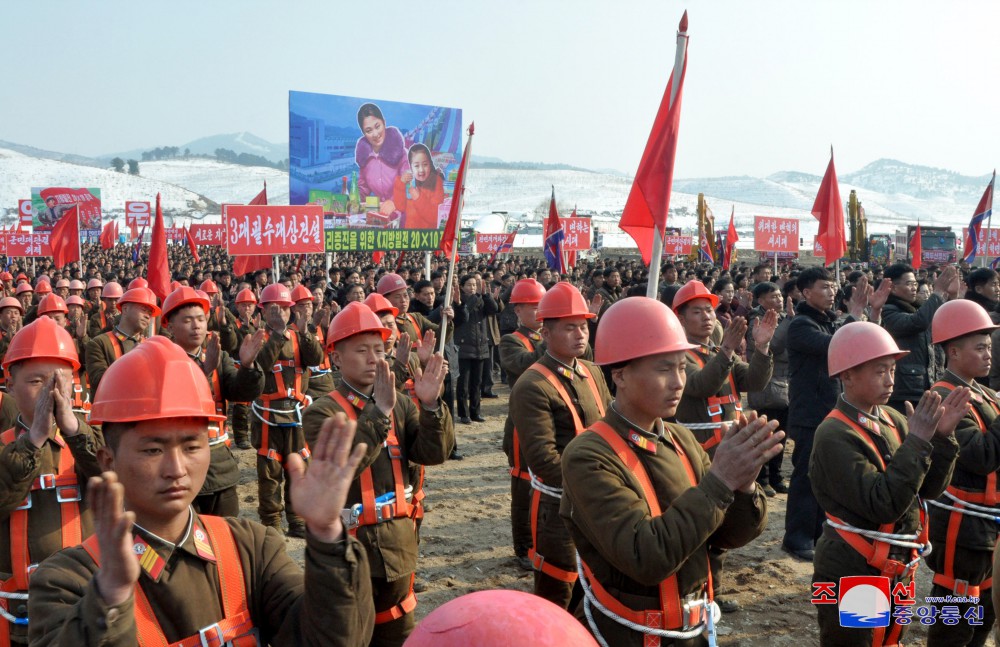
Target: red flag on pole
646,208
65,238
916,247
246,264
450,236
158,272
108,235
260,198
829,210
191,245
731,238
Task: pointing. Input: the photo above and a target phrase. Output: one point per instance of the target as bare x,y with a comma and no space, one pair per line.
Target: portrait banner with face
50,204
373,164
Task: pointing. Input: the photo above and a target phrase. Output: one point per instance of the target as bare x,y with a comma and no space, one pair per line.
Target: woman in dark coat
471,338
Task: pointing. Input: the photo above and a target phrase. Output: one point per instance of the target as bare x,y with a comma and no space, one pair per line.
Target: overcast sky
770,84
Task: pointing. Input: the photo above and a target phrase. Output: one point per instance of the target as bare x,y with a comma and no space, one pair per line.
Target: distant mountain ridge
241,142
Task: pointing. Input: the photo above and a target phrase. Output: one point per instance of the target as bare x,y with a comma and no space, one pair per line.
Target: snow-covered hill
222,183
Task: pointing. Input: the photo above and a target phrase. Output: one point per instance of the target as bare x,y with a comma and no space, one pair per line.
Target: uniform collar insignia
642,443
356,400
149,560
201,543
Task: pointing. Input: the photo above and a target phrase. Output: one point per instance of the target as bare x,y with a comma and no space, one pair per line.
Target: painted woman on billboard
381,157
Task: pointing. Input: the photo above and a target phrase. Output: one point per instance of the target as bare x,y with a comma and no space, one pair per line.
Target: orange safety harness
673,613
374,514
517,470
324,366
418,487
538,560
236,629
988,497
69,493
416,327
81,391
876,552
716,405
282,392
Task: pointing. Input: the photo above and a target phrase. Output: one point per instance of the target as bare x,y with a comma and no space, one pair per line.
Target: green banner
371,240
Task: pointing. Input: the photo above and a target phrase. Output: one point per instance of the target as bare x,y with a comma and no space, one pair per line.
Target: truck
939,245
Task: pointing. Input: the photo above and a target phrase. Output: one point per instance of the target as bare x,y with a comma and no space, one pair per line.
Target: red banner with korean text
26,244
775,234
26,217
274,229
989,242
674,245
137,214
174,234
489,243
577,233
818,248
208,234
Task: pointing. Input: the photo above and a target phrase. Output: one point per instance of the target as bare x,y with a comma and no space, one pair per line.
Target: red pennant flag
191,245
260,198
450,236
246,264
916,248
829,210
731,238
377,257
158,272
646,208
108,235
65,238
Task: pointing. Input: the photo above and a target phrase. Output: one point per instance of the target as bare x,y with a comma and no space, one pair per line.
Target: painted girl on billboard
421,199
381,157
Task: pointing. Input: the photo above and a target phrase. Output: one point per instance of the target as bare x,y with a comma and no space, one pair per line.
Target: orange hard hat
208,286
301,293
499,619
155,380
43,338
75,300
77,284
62,283
959,318
138,282
51,303
562,302
6,276
859,342
390,283
42,286
246,295
11,302
637,327
94,283
23,287
183,296
141,296
527,291
111,290
276,293
694,290
21,277
354,319
380,304
173,285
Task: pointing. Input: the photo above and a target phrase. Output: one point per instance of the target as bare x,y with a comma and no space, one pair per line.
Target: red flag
916,248
731,237
108,235
260,198
191,245
829,210
377,257
450,236
648,201
246,264
65,238
158,272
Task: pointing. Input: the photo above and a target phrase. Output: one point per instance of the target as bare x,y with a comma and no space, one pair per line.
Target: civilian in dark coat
473,346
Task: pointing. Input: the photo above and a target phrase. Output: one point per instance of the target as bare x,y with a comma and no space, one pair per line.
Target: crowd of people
644,437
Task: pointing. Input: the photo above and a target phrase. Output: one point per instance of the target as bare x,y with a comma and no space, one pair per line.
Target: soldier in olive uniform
11,312
105,313
320,376
220,320
247,323
138,308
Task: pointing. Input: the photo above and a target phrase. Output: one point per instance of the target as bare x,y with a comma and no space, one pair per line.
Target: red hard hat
562,302
51,303
959,318
42,286
6,276
173,285
11,302
142,296
76,284
155,380
62,283
354,319
94,283
301,293
209,287
527,291
694,290
43,338
637,327
380,304
183,296
390,283
23,287
499,619
138,282
111,290
75,300
859,342
21,277
246,295
276,293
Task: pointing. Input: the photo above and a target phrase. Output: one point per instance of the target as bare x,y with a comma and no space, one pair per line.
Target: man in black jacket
910,325
812,393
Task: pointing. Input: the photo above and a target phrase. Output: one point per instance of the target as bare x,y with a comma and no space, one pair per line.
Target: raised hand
746,446
764,330
425,347
41,425
213,354
943,284
923,420
119,569
955,406
384,393
859,298
790,306
429,382
250,347
880,296
320,493
733,336
403,349
62,398
594,305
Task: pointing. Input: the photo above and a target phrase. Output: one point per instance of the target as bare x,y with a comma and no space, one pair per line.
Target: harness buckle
385,512
961,587
394,451
273,454
27,503
350,516
46,481
74,496
714,410
212,636
77,388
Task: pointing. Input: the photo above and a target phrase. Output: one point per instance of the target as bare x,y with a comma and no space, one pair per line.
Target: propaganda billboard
50,204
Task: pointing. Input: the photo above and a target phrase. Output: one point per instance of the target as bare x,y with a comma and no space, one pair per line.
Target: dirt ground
466,545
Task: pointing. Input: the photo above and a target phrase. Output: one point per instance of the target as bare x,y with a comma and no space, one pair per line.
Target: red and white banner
25,244
991,249
677,245
208,234
489,243
26,217
174,234
818,248
577,232
274,229
775,234
137,214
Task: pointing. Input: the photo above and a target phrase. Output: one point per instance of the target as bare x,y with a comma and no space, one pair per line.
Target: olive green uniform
223,322
241,410
102,350
101,322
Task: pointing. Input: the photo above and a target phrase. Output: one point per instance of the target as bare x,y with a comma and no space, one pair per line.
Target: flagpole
653,286
989,221
447,289
459,194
